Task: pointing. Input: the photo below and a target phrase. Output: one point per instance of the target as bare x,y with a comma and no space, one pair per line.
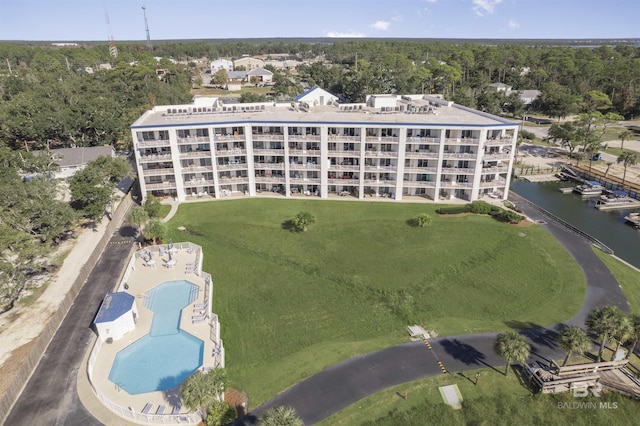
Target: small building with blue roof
117,316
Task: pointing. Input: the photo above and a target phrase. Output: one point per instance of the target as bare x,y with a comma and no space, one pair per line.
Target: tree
514,104
202,390
602,322
152,206
556,101
281,416
635,333
625,135
565,134
623,330
302,220
627,158
138,216
220,77
92,187
249,97
573,340
512,347
220,414
155,230
422,220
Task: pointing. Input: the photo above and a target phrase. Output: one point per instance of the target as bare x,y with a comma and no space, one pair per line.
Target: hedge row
482,207
454,209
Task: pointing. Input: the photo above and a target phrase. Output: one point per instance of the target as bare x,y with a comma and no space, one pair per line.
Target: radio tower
146,28
113,50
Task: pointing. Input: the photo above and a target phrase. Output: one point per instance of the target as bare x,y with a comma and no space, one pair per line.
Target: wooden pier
615,375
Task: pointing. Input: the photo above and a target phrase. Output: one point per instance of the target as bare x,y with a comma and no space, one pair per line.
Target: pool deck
141,279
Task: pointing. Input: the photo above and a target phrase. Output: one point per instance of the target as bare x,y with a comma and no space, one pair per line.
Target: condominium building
410,147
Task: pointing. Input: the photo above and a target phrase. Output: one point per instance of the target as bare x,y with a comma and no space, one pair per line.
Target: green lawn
496,400
292,304
628,278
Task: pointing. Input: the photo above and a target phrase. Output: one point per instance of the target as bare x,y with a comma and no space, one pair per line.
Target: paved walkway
341,385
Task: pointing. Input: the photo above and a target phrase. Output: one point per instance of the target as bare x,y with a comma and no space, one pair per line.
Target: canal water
607,226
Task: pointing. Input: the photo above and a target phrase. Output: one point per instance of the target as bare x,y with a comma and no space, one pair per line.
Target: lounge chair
160,409
198,320
202,305
198,317
147,408
176,409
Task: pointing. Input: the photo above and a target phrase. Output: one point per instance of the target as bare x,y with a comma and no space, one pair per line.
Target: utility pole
113,50
146,28
9,65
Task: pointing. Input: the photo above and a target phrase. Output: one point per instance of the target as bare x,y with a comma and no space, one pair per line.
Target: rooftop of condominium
398,110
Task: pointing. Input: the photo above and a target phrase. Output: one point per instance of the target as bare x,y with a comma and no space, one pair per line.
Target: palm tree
201,390
609,164
573,340
138,216
602,322
635,334
627,158
512,347
623,330
625,135
281,416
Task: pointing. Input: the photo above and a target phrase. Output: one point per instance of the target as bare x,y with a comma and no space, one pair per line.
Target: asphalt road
50,396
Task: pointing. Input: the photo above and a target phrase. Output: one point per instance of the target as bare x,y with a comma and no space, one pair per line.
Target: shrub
422,220
481,207
454,209
527,135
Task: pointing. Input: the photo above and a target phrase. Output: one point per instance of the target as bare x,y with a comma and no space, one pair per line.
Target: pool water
164,358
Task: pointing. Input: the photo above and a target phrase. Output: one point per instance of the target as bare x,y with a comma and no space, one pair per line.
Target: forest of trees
49,100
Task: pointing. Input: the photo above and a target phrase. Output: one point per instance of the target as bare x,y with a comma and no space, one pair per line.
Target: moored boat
611,200
633,219
589,188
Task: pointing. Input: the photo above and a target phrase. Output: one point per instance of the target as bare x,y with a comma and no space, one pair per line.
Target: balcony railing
153,143
343,152
232,166
462,141
311,138
385,139
493,183
233,179
154,158
193,139
343,167
230,152
305,166
158,172
341,181
195,154
495,169
268,166
419,184
344,138
305,152
458,170
267,137
420,169
423,140
304,180
270,179
499,141
380,182
421,154
469,155
195,168
198,182
455,184
268,151
161,185
391,154
228,138
496,156
374,168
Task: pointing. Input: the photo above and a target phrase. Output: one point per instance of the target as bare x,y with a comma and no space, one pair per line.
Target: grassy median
292,304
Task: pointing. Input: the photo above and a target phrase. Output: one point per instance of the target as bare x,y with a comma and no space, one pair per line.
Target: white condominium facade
407,147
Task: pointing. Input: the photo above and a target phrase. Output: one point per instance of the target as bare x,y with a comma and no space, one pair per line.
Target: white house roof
69,157
315,92
114,306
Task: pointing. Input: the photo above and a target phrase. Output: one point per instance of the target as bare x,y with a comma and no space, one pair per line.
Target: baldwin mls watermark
583,392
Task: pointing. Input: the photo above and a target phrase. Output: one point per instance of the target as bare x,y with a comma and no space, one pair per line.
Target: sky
85,20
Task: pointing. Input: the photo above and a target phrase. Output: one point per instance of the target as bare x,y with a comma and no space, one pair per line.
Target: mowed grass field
292,304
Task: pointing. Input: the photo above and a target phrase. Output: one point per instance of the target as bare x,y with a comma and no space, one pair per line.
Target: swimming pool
164,358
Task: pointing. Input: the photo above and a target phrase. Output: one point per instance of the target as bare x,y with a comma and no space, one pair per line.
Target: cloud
337,34
431,1
380,25
485,7
514,24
